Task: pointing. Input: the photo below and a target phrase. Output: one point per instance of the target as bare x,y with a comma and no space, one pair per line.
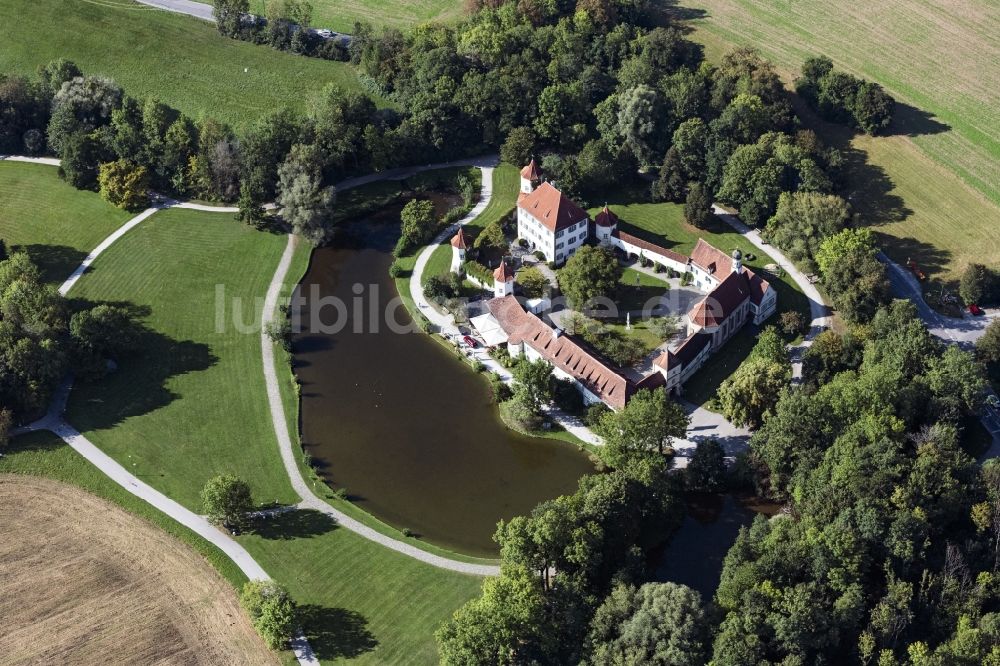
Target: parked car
975,310
469,340
324,33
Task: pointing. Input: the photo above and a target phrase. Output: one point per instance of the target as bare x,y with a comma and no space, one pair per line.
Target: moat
407,429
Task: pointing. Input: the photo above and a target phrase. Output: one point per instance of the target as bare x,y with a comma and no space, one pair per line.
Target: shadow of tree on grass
299,524
336,633
56,262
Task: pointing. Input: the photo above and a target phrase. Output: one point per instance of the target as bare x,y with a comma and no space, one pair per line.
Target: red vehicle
912,265
470,341
975,309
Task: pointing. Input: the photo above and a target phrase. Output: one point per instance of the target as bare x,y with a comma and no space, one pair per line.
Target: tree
640,109
82,155
649,422
497,627
706,471
271,610
591,273
698,207
533,283
227,500
104,332
852,273
533,381
978,284
803,220
750,393
664,327
6,424
251,208
305,202
671,185
988,346
58,72
690,140
519,146
228,15
124,184
873,108
418,224
657,624
492,237
793,323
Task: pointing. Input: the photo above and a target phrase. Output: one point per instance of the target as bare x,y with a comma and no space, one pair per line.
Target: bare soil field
85,582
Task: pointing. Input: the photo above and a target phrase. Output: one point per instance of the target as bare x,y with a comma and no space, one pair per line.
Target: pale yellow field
85,582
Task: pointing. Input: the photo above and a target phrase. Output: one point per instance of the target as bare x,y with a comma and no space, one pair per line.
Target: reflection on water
694,556
408,430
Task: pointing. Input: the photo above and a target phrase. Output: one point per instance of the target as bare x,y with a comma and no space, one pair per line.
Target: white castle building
557,226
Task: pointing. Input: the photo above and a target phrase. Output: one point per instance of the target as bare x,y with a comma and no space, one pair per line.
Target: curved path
54,422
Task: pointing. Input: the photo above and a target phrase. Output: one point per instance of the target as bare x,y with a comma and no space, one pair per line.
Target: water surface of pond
405,427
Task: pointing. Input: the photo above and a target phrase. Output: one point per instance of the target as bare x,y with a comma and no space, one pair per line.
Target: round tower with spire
737,261
605,224
531,177
458,248
503,280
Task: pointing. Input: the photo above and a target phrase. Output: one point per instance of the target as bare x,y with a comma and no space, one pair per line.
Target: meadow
191,404
182,61
56,224
931,187
340,15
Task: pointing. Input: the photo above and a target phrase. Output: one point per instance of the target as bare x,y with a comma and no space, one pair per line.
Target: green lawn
57,224
181,60
506,187
44,454
192,404
340,15
663,223
359,600
932,188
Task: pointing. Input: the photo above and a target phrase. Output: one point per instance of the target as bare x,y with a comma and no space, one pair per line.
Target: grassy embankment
664,224
55,223
340,15
181,60
931,188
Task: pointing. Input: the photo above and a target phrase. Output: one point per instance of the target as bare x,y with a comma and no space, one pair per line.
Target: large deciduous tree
306,204
227,500
648,423
591,273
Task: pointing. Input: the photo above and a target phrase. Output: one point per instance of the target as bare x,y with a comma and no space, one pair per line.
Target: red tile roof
758,286
459,240
606,218
561,351
552,208
712,260
503,273
722,301
685,353
649,247
531,172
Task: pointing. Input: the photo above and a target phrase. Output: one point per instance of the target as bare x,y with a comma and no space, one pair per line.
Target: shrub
519,414
501,389
280,332
395,270
686,279
271,611
477,365
664,327
532,282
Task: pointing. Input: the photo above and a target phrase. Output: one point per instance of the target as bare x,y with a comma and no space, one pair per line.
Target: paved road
196,9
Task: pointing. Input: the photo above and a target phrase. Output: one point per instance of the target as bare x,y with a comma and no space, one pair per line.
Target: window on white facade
559,246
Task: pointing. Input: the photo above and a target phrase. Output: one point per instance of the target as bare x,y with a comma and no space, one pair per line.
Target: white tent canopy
489,329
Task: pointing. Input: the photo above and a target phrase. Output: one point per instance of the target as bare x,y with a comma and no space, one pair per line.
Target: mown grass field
340,15
663,223
361,602
181,60
56,224
191,404
932,187
84,579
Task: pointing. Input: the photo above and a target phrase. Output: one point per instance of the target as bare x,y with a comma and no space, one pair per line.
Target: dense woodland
888,549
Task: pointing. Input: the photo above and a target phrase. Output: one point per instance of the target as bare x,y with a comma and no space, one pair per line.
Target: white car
324,33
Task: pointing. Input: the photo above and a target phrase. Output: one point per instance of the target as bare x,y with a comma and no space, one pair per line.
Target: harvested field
85,582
